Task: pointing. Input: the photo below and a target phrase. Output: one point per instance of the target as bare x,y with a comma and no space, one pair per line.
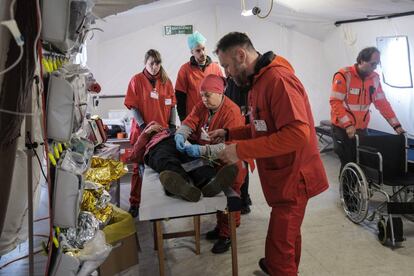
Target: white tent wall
115,61
340,52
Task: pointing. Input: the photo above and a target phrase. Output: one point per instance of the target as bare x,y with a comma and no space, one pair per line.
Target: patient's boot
177,185
223,179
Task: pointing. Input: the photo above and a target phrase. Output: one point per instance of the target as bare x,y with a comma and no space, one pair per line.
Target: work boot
262,265
222,245
223,179
213,234
167,193
248,200
177,185
133,210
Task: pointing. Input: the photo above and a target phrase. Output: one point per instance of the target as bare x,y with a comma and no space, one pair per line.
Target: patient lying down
156,148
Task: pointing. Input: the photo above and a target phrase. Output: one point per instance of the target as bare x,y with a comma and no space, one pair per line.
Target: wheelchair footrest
398,229
400,208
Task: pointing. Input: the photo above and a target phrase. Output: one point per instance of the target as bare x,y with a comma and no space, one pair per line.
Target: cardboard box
124,254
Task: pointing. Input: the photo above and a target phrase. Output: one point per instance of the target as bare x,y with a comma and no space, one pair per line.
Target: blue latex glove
193,150
179,142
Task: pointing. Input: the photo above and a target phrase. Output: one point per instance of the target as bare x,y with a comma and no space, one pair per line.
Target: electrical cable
15,112
40,219
15,63
18,259
12,26
35,152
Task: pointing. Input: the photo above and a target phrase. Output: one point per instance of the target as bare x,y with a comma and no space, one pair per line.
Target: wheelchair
381,167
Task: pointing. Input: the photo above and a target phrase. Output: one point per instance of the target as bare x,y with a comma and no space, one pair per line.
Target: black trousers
165,156
345,147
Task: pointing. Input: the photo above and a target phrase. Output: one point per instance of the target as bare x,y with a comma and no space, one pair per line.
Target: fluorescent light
247,12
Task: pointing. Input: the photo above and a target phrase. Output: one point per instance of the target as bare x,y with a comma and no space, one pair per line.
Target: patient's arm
211,151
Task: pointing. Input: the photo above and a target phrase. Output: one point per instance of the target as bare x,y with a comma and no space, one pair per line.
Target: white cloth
155,204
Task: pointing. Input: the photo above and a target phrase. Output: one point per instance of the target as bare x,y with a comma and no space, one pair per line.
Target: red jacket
189,79
281,135
352,96
227,116
139,96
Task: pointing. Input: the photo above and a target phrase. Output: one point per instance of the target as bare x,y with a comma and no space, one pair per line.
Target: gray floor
332,245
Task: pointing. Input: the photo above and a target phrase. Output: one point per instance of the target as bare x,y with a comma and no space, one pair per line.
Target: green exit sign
178,29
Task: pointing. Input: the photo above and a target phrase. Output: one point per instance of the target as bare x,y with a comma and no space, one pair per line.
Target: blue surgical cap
195,39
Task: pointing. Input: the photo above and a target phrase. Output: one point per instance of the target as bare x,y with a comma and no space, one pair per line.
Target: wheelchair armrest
368,149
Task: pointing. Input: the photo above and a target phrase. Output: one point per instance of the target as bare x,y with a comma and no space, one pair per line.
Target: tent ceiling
314,18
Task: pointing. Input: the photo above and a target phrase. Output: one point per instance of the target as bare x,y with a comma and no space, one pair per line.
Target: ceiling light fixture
255,10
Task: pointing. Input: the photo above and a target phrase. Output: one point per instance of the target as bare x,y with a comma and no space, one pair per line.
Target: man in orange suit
281,137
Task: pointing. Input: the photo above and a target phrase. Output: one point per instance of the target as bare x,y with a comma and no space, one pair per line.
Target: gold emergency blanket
97,202
104,171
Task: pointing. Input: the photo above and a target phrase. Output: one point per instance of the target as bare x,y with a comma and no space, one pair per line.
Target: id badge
354,91
154,94
168,101
260,125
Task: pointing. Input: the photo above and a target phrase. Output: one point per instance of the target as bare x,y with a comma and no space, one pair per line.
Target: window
395,61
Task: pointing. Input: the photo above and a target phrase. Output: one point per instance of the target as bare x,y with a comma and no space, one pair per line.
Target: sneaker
177,185
262,265
133,210
223,179
245,209
222,245
213,234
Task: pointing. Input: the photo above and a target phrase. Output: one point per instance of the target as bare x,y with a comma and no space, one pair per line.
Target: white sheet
156,205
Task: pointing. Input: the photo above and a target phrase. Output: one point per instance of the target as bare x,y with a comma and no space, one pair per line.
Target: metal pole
29,156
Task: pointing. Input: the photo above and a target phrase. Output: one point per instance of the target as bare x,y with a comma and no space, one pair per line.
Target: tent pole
30,147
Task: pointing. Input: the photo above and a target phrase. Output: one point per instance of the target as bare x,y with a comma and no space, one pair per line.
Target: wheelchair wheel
353,190
382,231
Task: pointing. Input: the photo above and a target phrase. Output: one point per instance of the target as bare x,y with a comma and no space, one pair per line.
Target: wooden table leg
118,192
154,230
197,234
232,223
160,246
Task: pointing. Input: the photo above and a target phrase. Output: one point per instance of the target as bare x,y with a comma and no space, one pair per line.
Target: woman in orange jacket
214,111
150,97
354,89
281,137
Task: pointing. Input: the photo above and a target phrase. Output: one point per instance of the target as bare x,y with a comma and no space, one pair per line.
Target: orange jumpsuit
281,137
189,79
227,116
154,104
352,96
